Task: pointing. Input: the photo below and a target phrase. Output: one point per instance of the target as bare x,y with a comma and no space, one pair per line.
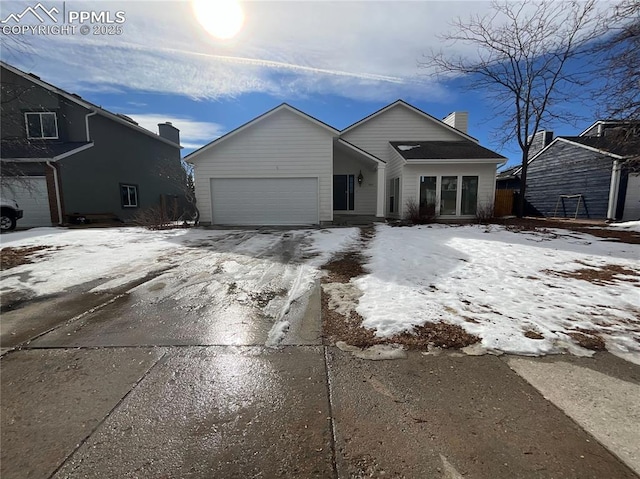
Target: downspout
86,119
613,190
57,187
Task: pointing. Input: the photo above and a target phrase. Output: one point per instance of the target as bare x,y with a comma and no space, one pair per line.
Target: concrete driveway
173,377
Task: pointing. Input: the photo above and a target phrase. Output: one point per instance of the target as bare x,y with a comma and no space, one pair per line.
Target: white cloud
361,50
193,134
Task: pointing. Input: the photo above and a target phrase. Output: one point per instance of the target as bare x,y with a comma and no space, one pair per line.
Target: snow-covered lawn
499,285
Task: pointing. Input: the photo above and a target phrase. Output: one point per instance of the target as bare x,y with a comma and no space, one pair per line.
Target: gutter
57,187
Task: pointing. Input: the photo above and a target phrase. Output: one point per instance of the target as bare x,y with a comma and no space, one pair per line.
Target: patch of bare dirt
588,340
344,268
533,335
348,328
441,334
600,275
11,257
594,228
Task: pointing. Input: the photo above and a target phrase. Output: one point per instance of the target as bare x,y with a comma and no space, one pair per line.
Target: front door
343,192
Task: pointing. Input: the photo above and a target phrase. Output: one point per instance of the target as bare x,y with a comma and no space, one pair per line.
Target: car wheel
7,222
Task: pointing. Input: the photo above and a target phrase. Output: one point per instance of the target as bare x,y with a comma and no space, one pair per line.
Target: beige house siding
397,124
283,144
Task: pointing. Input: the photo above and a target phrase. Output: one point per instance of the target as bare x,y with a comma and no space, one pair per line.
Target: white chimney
459,120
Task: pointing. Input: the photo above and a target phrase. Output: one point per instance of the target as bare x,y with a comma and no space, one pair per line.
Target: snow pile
407,147
499,285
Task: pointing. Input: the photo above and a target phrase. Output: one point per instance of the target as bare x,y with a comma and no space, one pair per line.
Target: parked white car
9,215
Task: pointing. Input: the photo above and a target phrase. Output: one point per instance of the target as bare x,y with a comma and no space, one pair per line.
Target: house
588,176
63,157
286,167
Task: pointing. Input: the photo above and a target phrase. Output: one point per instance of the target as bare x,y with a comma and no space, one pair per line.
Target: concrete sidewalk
300,411
119,393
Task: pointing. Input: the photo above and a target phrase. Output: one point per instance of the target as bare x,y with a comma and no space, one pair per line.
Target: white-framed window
41,125
457,194
129,196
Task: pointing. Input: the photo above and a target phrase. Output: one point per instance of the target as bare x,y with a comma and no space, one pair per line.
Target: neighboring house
64,157
286,167
509,179
587,176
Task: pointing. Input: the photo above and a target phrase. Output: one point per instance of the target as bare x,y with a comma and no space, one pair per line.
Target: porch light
360,178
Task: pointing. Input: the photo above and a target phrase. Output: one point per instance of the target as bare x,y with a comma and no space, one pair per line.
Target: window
428,195
448,195
129,196
394,194
469,195
43,125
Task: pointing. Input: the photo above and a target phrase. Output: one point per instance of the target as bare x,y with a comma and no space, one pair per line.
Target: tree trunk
523,184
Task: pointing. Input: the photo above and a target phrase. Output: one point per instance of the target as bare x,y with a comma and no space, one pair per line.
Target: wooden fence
503,205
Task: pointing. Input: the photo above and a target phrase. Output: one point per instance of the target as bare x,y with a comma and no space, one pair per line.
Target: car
9,215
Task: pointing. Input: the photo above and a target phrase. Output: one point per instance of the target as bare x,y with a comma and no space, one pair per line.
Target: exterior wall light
360,178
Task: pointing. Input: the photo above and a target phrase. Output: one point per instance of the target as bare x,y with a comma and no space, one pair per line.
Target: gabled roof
443,150
284,106
512,172
412,108
36,151
78,100
598,144
610,123
608,145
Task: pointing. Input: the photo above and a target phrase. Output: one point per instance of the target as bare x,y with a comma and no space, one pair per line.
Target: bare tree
523,61
618,53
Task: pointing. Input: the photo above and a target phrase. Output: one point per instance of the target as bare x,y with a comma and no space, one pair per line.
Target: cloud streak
193,133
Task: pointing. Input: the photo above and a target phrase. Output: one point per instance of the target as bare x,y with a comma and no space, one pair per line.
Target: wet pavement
172,378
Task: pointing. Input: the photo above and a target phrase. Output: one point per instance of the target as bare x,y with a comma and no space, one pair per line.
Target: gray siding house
587,176
63,157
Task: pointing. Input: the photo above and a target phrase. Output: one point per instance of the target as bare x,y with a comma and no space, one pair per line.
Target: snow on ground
499,284
112,257
627,225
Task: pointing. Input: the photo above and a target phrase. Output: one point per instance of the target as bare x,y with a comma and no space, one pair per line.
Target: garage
632,200
31,195
264,201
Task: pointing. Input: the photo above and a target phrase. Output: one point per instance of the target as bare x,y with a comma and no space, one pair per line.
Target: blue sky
337,61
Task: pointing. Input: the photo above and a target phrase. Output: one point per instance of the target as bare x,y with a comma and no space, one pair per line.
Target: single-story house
286,167
65,158
589,176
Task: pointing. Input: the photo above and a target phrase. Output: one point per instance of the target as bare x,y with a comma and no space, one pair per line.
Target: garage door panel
264,201
31,195
632,200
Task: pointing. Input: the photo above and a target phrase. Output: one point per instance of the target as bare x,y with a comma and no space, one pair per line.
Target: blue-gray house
591,176
63,157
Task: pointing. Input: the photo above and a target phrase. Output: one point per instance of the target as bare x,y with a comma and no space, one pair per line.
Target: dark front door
343,192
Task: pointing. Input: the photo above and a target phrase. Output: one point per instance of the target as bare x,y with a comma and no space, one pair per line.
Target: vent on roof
76,95
126,118
34,76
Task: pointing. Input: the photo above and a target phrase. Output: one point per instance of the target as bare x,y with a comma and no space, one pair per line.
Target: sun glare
222,19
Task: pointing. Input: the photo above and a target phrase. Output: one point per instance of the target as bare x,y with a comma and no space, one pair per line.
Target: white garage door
264,201
632,200
31,195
